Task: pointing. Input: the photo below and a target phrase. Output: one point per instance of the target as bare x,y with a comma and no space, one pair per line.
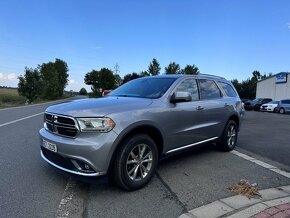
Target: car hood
272,105
98,107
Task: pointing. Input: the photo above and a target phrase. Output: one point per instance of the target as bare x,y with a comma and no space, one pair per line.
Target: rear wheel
229,137
282,111
135,162
256,108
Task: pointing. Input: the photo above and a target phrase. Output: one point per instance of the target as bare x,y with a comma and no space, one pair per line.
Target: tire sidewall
223,143
281,111
125,151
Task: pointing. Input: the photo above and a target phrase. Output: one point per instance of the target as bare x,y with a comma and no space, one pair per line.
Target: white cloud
8,79
11,76
288,24
72,81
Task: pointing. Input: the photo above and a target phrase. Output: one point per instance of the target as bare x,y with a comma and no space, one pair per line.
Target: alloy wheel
231,135
139,162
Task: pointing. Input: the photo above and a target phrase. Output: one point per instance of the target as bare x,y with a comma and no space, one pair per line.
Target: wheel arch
235,118
147,129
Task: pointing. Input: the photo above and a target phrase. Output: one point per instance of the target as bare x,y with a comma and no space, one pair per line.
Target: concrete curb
239,206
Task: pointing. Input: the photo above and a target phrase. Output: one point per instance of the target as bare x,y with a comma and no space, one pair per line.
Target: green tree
91,79
103,79
29,85
144,73
130,77
83,91
190,69
62,69
154,68
172,68
49,77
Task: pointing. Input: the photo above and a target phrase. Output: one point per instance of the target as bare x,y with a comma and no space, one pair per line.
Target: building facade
276,87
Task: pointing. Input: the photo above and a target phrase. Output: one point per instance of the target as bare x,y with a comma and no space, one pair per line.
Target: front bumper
248,107
93,150
269,109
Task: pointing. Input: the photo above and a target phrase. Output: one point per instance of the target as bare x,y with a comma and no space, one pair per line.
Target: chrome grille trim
55,121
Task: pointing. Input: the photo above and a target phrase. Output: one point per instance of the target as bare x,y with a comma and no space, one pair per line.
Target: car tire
256,108
275,110
282,111
229,137
135,162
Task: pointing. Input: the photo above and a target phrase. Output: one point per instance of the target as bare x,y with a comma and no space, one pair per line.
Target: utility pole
117,67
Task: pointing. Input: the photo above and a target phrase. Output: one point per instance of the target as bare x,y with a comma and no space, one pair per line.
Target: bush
83,91
12,99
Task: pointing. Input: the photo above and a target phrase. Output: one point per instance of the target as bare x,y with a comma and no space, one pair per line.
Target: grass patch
9,97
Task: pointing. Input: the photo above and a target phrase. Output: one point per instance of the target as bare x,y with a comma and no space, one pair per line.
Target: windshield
257,100
144,88
273,102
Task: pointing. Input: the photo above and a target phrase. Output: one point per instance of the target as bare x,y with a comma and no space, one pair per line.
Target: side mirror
180,97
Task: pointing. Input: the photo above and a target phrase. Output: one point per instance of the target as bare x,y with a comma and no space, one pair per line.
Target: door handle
200,108
226,105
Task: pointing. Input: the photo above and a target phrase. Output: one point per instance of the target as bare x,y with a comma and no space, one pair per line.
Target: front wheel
135,162
282,111
229,137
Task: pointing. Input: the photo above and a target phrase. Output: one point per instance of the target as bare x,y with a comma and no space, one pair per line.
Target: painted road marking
73,200
24,118
262,164
63,207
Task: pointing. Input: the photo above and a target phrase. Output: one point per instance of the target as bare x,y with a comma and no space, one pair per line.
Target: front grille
58,159
60,125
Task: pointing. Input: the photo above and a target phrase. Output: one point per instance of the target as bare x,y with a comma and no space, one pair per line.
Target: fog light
83,167
87,167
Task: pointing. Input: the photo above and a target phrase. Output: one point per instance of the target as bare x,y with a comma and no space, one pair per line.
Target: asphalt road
267,135
29,187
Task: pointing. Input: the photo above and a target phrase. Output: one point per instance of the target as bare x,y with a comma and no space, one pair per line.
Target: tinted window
274,102
208,89
230,92
285,102
189,85
144,88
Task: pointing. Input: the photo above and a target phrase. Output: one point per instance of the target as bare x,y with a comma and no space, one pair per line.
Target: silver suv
283,106
125,134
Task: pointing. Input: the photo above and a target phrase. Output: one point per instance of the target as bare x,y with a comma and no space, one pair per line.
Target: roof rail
202,74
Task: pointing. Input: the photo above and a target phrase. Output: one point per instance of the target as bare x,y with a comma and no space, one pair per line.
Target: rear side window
285,102
189,85
208,89
230,92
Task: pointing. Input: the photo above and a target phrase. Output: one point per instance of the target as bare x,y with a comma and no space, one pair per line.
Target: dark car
245,100
256,104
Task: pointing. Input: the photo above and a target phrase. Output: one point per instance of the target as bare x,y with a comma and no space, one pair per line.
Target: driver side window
189,85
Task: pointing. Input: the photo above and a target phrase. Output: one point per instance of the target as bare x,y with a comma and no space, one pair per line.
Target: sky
228,38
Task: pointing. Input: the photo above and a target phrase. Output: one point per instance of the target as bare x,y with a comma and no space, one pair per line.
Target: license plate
49,146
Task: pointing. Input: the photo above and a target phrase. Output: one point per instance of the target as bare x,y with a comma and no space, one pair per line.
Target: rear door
287,105
215,109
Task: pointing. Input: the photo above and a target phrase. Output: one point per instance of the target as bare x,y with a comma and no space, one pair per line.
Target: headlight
96,124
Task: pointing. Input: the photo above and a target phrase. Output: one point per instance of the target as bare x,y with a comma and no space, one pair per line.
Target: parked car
283,106
246,100
270,107
125,134
256,104
106,92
